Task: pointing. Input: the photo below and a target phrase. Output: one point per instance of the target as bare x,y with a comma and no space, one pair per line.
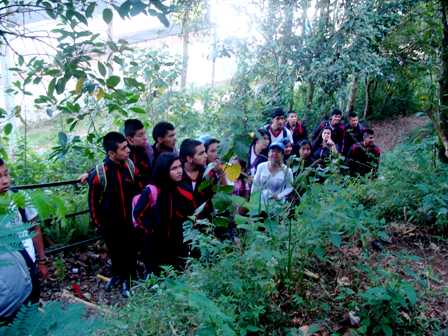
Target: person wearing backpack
30,260
112,185
141,152
159,210
277,129
164,135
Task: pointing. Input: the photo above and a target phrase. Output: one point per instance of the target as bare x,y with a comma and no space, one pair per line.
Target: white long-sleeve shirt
278,183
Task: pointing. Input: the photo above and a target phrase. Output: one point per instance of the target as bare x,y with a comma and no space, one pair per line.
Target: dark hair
188,148
277,112
161,129
326,128
352,115
260,133
131,126
2,162
291,112
111,141
304,143
208,140
161,172
286,141
367,131
336,112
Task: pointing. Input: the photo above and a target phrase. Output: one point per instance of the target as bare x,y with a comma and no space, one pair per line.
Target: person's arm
39,247
142,209
256,184
288,184
94,198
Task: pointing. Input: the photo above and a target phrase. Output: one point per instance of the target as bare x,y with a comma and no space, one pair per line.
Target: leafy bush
413,187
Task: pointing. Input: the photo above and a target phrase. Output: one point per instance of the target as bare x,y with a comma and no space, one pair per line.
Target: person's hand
43,270
83,178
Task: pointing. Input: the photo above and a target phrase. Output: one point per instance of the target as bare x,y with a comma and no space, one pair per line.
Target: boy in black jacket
111,189
141,153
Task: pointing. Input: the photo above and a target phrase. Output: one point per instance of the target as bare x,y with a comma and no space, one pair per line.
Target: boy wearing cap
277,129
273,178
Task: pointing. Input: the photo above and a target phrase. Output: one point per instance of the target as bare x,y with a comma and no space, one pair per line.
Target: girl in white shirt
273,178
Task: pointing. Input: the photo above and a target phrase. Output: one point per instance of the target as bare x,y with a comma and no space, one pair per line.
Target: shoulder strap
285,132
131,168
101,172
23,214
154,193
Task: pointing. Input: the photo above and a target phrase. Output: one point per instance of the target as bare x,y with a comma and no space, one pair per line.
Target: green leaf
102,69
7,129
112,81
81,18
162,18
60,85
137,109
21,60
335,239
90,9
220,221
137,8
107,15
62,138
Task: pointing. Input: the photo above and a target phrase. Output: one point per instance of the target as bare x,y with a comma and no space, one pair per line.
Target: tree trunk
185,47
366,97
310,96
353,94
443,81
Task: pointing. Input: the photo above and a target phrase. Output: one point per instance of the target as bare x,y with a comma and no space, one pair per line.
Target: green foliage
420,187
390,308
55,319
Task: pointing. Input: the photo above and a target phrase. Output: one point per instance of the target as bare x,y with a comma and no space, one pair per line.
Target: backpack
101,172
152,202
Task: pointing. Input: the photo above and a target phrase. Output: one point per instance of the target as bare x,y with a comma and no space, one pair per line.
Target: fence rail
58,249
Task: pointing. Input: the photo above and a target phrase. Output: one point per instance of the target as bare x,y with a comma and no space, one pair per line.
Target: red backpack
152,201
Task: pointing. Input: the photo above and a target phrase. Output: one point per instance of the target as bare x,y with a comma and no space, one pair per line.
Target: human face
199,158
275,156
369,140
169,140
121,153
212,152
326,135
353,121
288,149
335,119
292,119
139,139
263,142
305,151
278,122
176,171
5,179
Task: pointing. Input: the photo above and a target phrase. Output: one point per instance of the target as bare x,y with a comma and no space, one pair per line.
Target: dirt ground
389,133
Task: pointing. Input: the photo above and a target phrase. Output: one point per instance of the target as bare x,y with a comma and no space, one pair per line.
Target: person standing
112,186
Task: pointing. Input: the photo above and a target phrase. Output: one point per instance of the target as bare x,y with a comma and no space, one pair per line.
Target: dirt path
389,133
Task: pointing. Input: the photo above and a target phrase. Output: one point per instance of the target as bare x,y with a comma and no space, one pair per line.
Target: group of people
141,194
